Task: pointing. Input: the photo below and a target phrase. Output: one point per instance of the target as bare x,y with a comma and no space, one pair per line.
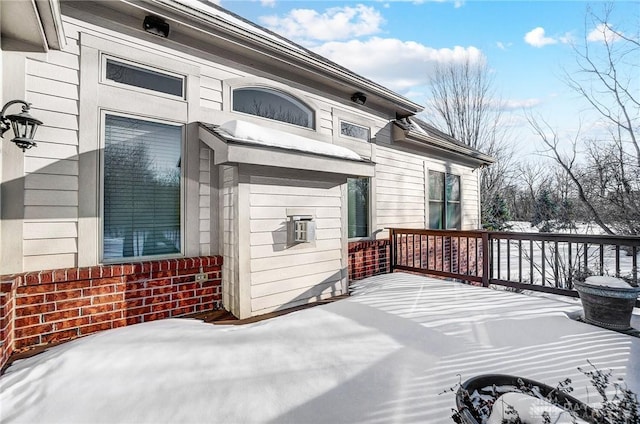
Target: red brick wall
367,258
38,308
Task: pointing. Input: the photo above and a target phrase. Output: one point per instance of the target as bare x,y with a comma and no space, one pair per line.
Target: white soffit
36,23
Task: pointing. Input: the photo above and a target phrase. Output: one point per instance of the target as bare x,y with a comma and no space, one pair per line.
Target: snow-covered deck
382,355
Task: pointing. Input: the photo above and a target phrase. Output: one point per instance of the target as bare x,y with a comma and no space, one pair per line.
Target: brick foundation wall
367,258
38,308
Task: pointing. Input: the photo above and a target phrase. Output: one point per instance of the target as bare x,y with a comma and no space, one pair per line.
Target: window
149,79
141,188
272,104
353,130
444,201
358,208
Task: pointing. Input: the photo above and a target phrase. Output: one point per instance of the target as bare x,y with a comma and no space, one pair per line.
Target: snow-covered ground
576,257
382,355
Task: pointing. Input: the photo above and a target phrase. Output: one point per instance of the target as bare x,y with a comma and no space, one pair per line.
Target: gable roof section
419,133
243,142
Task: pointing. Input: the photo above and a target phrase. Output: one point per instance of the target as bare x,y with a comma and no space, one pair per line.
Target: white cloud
519,104
456,3
268,3
537,38
399,65
601,33
503,46
567,38
336,23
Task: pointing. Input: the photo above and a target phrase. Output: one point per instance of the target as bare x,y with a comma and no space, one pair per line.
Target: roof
252,33
418,131
238,131
246,143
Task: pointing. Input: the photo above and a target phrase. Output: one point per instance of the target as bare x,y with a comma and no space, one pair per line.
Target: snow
625,261
383,355
255,134
606,281
529,409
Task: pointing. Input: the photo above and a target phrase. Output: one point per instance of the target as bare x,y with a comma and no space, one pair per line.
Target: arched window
272,104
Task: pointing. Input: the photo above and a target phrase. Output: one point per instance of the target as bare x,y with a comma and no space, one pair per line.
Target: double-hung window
444,201
358,207
141,188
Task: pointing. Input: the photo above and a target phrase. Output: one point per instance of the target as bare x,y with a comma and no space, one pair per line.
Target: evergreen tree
496,214
545,211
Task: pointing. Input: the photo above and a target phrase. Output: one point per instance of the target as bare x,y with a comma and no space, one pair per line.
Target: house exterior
189,159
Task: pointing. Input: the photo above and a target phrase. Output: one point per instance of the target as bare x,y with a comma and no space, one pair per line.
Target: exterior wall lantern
24,125
156,26
358,98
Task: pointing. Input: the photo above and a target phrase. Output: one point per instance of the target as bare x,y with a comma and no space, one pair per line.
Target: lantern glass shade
24,128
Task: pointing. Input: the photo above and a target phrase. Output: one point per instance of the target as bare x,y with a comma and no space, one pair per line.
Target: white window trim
104,80
103,114
145,104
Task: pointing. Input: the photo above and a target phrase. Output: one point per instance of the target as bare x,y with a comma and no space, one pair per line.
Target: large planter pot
608,306
491,386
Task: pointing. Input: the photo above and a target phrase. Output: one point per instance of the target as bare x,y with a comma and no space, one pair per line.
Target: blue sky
527,45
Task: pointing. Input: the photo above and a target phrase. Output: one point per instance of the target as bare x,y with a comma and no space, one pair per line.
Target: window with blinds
358,208
444,201
141,188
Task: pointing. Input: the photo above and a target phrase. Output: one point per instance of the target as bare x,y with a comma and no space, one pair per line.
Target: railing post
485,259
392,250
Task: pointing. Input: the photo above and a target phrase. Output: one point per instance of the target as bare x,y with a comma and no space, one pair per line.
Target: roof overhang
440,146
237,42
31,25
233,151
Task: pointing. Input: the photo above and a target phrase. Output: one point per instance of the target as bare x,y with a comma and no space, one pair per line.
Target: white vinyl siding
210,92
207,201
401,186
399,189
51,169
286,275
229,233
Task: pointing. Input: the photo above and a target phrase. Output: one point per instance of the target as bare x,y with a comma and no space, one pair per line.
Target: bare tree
605,171
532,178
461,95
608,76
464,104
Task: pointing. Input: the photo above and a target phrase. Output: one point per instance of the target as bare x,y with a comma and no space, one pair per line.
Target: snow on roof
247,132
